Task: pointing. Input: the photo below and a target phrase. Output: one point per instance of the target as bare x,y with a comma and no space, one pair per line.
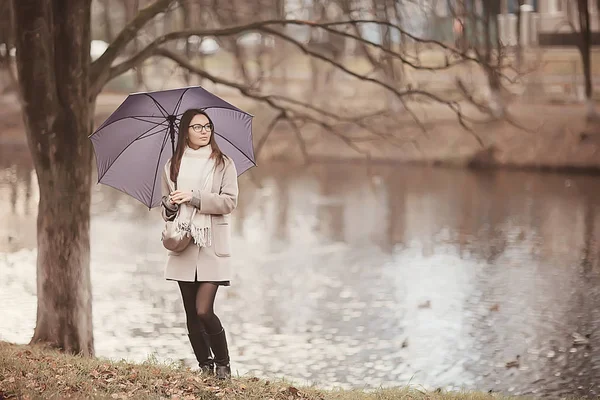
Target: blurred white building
538,17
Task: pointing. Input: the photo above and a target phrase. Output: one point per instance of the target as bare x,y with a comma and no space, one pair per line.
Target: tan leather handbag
173,239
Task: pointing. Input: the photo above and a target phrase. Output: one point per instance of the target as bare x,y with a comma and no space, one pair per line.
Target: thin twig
270,128
300,141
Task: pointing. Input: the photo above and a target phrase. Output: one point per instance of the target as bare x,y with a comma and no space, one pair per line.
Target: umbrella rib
179,101
151,122
223,137
149,135
123,191
156,171
225,108
159,106
134,117
122,151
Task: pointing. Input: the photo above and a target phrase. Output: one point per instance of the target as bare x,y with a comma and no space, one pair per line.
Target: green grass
32,372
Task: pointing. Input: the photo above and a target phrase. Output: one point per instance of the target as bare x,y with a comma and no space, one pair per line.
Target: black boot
201,349
218,344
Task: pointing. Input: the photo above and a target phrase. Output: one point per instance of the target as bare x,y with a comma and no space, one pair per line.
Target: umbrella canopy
133,145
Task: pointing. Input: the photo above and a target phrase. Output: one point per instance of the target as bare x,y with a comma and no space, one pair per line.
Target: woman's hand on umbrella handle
179,197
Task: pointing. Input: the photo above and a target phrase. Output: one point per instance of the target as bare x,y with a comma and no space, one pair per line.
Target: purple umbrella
131,145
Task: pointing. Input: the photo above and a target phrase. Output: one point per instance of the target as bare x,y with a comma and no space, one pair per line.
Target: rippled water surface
348,276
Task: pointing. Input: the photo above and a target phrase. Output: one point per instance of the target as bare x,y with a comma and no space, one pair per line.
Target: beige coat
211,263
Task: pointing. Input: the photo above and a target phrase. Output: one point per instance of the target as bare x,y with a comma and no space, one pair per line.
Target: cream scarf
195,173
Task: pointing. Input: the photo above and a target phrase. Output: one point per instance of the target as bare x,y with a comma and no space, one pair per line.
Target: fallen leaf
579,339
427,304
293,390
495,307
514,363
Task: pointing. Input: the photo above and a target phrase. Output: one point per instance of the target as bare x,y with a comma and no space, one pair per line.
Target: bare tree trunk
585,45
108,31
187,16
53,40
139,69
8,80
316,13
280,44
131,8
225,17
491,68
519,39
391,74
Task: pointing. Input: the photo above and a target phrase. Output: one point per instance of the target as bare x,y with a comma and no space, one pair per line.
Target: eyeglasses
199,127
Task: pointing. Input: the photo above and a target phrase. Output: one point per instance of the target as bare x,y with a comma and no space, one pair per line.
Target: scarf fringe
201,236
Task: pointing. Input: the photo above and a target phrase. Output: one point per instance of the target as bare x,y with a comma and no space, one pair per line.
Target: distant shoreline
556,139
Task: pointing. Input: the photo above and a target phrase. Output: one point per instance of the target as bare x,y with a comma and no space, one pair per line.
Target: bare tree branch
99,69
270,128
284,113
154,48
264,26
404,93
300,141
346,140
151,50
358,120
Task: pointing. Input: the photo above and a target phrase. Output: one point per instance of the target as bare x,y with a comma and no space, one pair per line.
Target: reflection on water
354,277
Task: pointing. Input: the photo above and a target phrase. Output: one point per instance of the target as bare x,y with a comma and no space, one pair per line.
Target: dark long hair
184,126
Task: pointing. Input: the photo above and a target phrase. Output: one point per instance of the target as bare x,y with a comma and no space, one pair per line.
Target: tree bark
519,39
490,15
585,45
187,24
108,31
8,81
131,8
53,40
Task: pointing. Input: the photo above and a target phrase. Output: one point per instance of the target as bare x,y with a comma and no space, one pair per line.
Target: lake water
354,277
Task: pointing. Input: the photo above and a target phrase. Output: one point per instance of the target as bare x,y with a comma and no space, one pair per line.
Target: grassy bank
31,372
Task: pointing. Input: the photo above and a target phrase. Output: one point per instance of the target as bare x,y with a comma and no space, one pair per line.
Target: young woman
207,183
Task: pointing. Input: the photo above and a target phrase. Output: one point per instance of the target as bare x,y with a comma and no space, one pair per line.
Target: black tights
198,302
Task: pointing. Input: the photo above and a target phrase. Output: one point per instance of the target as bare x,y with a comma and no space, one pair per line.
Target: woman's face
200,131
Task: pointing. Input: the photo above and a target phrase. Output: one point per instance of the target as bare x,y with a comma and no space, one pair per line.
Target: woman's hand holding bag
174,238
